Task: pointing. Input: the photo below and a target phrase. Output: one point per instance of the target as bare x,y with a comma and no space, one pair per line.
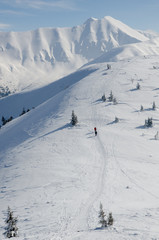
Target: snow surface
29,60
54,176
130,51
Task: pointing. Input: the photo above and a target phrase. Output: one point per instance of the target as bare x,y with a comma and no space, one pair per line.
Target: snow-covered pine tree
156,136
11,228
101,216
116,120
114,101
148,122
74,120
3,120
23,112
110,219
111,97
103,98
154,106
108,66
141,108
138,86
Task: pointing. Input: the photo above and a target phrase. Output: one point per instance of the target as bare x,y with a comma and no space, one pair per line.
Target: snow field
54,176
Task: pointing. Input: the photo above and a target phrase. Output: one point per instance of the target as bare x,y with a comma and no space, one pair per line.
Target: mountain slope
13,105
54,176
142,49
29,60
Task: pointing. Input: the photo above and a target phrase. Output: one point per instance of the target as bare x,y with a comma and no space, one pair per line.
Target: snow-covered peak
91,19
119,26
34,58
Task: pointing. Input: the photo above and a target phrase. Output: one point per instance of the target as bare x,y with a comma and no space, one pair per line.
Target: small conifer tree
11,228
10,119
156,136
111,97
154,106
103,98
148,122
23,112
114,101
138,86
108,66
141,108
74,120
116,120
110,219
101,216
3,120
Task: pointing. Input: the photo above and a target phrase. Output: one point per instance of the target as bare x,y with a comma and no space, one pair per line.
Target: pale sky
23,15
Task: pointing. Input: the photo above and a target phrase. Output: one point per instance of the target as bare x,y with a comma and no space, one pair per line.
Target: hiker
95,131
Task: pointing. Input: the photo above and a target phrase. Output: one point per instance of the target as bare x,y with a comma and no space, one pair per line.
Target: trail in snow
103,183
70,166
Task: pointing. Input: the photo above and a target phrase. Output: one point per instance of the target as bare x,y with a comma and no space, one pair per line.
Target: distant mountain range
32,59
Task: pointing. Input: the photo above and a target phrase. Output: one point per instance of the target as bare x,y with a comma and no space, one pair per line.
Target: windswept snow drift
54,176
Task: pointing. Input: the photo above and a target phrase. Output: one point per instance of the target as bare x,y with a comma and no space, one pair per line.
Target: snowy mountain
32,59
54,176
130,51
149,34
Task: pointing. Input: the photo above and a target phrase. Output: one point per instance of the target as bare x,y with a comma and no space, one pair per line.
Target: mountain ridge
129,51
54,176
34,58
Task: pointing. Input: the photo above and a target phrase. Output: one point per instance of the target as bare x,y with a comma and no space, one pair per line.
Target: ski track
80,225
106,161
83,217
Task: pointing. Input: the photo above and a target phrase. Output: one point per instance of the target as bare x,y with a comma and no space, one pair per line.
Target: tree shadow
137,111
153,139
98,101
148,109
141,127
58,129
98,228
134,89
113,122
67,125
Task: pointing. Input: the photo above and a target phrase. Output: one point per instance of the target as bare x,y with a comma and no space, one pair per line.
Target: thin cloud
41,4
12,12
4,26
53,4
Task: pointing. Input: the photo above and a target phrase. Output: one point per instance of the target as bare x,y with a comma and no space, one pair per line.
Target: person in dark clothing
95,131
